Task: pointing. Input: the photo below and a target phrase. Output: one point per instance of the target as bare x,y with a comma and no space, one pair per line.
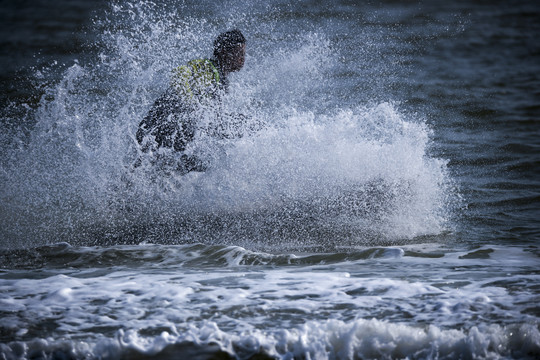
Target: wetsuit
171,123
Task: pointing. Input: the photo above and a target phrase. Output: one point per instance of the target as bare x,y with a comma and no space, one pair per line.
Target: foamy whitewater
337,227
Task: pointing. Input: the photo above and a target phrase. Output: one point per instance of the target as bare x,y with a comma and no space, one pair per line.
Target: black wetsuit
169,122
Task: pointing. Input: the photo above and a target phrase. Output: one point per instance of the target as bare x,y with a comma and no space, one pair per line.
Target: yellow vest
198,80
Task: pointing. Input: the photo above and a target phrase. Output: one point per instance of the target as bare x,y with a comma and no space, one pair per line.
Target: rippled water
388,208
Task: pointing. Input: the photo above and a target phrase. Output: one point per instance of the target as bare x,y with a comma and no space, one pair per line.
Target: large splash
317,173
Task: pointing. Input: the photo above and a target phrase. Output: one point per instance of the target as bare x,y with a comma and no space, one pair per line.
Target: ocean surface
387,206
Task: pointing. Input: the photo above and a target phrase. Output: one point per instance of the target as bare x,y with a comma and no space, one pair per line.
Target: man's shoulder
198,65
199,77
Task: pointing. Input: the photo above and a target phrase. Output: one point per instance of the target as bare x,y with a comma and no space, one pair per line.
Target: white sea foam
179,295
331,339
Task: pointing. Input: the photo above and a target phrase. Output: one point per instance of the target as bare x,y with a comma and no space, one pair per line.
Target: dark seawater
388,208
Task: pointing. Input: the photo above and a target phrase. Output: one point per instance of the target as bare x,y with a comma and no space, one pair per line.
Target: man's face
235,59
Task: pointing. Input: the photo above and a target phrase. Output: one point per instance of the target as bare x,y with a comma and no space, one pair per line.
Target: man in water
171,122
